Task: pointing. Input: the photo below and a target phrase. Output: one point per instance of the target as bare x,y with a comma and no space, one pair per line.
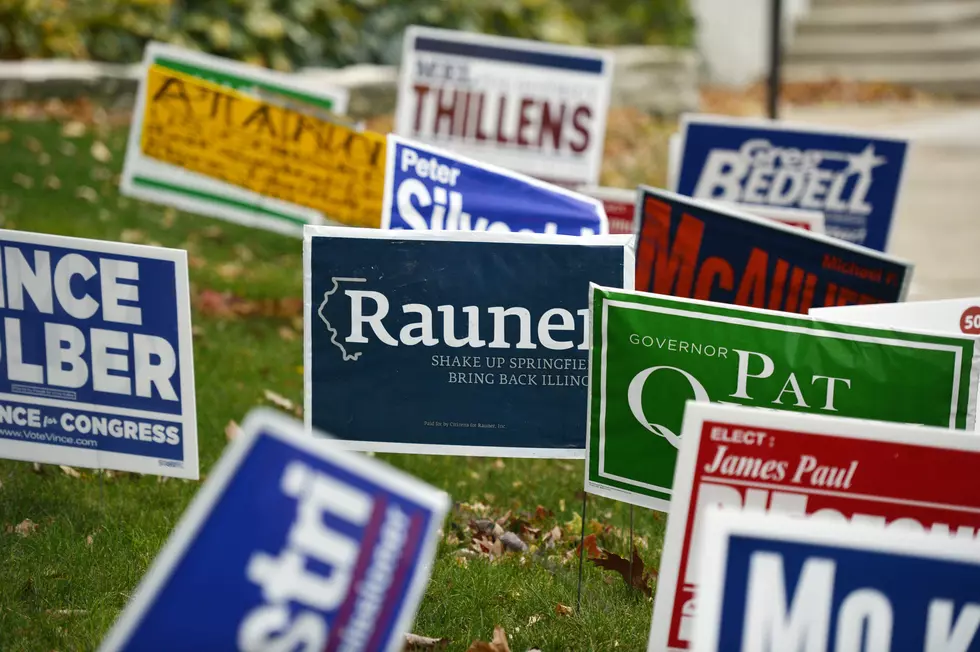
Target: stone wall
659,80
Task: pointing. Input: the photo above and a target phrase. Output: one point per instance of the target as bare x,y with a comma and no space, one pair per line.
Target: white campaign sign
529,106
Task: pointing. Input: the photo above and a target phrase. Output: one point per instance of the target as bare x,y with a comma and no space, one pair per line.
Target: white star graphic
864,162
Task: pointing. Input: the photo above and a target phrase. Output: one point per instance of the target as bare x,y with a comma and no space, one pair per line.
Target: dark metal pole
775,56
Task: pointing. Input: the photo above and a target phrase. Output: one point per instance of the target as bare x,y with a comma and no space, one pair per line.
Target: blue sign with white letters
97,365
291,544
430,189
453,343
774,583
854,179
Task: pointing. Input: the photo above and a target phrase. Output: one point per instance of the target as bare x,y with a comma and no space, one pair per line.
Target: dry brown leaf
26,528
87,193
33,144
23,180
640,578
563,609
100,152
213,232
230,271
73,129
225,304
52,182
497,644
499,464
415,642
134,236
70,472
287,334
232,430
279,400
89,540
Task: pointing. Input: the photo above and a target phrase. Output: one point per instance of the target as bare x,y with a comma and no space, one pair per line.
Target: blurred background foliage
286,34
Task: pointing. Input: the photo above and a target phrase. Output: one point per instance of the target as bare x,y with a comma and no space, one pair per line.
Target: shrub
286,34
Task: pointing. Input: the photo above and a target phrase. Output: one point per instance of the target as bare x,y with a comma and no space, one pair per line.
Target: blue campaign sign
773,583
291,544
97,365
431,189
853,178
696,249
453,343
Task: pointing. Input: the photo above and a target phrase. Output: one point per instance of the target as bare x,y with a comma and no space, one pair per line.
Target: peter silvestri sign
651,353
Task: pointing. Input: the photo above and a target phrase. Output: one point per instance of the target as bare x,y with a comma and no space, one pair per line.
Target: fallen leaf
513,542
33,144
497,644
640,578
517,484
499,464
279,400
23,181
52,182
100,152
67,149
563,609
225,304
551,537
213,232
89,540
169,216
87,193
230,271
415,642
43,158
134,236
533,619
287,334
73,129
70,472
592,549
26,528
232,430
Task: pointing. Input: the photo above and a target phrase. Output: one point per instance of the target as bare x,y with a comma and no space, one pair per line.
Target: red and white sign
620,205
895,477
946,316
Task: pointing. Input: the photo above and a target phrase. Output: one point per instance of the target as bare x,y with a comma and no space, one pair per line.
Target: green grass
61,591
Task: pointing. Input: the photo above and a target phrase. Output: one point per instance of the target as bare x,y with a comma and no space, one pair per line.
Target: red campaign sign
619,203
894,476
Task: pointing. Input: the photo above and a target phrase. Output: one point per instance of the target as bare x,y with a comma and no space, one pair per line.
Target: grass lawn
62,585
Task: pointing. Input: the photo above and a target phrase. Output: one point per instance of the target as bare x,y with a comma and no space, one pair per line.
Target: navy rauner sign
291,544
97,365
852,178
453,342
774,583
431,189
534,107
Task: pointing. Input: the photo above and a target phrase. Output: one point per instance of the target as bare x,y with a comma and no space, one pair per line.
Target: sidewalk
938,221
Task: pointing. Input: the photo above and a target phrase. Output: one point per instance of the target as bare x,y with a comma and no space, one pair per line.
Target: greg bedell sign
453,342
653,353
96,364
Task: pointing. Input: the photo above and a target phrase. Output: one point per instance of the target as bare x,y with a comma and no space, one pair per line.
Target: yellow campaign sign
269,149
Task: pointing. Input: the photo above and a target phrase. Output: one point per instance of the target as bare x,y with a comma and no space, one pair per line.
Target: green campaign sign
651,353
